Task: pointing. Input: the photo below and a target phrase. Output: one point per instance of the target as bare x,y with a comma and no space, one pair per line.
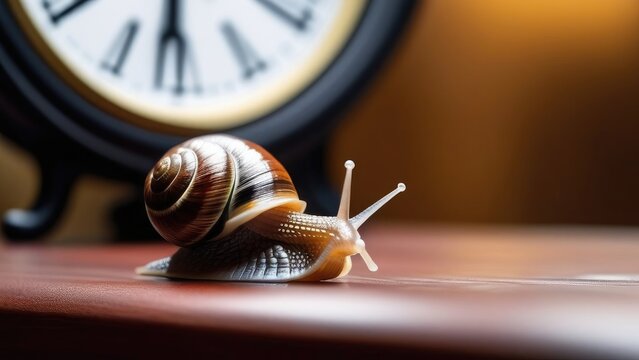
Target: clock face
190,65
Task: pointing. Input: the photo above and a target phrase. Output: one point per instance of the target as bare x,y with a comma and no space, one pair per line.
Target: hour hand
179,48
171,40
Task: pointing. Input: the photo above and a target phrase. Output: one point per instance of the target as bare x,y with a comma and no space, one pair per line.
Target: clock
105,87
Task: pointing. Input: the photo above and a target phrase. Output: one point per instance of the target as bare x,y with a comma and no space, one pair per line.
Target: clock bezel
297,124
196,120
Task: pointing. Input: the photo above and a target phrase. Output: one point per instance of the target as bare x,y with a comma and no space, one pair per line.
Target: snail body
234,212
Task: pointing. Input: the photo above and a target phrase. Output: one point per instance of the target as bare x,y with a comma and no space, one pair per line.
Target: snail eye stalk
361,218
345,201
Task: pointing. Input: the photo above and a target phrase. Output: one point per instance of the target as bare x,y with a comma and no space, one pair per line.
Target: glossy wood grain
443,291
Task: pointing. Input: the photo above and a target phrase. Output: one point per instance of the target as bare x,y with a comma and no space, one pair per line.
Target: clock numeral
120,48
249,61
293,12
58,10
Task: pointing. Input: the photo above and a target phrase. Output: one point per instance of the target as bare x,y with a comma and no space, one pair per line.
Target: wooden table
512,292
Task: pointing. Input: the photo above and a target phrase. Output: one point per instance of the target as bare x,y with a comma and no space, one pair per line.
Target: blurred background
493,111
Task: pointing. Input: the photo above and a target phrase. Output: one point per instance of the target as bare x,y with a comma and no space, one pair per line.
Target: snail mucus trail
234,211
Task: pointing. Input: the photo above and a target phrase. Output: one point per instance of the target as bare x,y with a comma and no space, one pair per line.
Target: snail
234,212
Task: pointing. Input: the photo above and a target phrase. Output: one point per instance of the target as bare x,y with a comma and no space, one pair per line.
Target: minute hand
170,33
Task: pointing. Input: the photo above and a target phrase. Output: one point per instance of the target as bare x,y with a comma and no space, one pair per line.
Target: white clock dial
194,64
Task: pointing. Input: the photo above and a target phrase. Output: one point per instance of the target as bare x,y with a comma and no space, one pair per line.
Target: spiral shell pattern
199,185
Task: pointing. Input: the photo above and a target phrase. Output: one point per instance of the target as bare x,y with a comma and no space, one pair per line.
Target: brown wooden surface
446,291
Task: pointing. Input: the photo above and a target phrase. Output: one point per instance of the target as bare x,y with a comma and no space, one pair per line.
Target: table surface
511,291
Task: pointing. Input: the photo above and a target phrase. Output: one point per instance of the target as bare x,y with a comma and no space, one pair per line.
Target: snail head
353,243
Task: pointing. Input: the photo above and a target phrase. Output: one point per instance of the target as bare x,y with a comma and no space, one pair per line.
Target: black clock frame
70,136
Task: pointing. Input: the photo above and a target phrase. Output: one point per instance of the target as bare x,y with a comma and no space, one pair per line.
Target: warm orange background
491,111
506,111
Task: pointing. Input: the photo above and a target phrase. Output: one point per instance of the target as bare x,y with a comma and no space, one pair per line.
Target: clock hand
171,34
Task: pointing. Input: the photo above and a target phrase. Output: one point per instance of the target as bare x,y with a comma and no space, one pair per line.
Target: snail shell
234,212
